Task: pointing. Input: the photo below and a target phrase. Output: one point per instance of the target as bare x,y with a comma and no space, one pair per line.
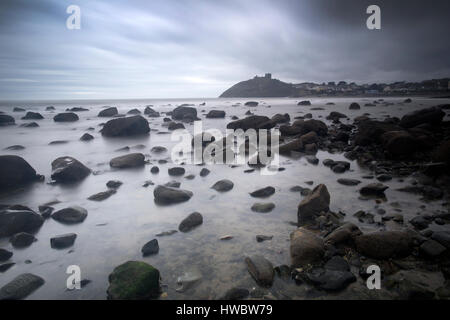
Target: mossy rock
134,280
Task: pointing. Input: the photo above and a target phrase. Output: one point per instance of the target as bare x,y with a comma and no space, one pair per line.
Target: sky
199,48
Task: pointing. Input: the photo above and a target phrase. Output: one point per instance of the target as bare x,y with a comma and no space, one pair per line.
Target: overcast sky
199,48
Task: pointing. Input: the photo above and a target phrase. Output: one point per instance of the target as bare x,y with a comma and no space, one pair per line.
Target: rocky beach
360,182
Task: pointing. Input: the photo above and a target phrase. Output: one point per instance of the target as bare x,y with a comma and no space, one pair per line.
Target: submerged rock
176,171
190,222
70,215
223,185
102,195
168,195
133,280
263,207
263,193
114,184
6,120
373,189
132,160
108,112
66,117
86,137
260,269
33,116
68,169
22,240
348,182
216,114
385,244
204,172
5,254
15,172
21,286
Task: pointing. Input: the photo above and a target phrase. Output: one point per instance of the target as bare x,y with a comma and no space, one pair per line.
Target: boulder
442,153
223,185
344,235
15,172
63,241
306,248
304,103
263,192
204,172
330,280
215,114
184,113
281,118
15,221
168,195
68,169
151,247
32,116
5,255
433,115
176,171
399,143
251,104
134,111
260,269
132,160
263,207
21,286
151,113
431,249
305,126
133,280
373,189
384,244
354,106
335,116
175,126
370,131
6,120
86,137
70,215
312,205
348,182
190,222
252,122
66,117
108,112
22,240
128,126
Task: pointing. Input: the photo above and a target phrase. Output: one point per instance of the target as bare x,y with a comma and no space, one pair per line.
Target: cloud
198,48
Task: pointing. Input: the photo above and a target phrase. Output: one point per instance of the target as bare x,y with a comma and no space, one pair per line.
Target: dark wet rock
22,240
263,207
151,113
6,266
420,222
5,255
70,215
373,189
260,269
21,286
304,103
158,149
114,184
384,244
204,172
337,263
134,111
261,238
251,104
216,114
348,182
86,137
32,116
184,113
66,117
68,169
305,248
6,120
263,192
399,143
443,237
412,284
370,131
330,280
328,162
354,106
154,170
151,247
15,172
133,280
173,184
236,294
63,241
102,195
433,115
15,147
128,126
252,122
335,116
364,217
57,142
442,153
312,205
46,211
132,160
304,126
281,118
312,159
431,249
18,109
15,221
190,176
108,112
384,177
166,233
223,185
176,171
169,195
76,109
148,183
175,126
190,222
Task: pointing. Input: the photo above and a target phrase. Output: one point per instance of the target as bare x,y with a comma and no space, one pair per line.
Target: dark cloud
196,48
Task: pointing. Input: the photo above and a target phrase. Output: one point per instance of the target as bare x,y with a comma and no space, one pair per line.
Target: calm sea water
117,228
